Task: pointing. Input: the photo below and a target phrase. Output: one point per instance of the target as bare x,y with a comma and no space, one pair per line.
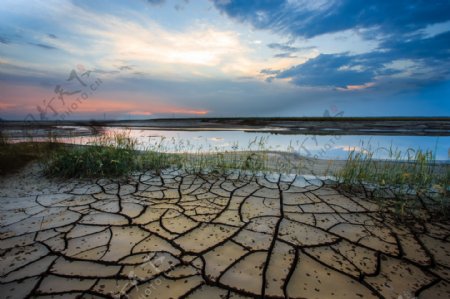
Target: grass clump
156,157
108,155
16,155
117,154
252,159
4,139
222,162
411,180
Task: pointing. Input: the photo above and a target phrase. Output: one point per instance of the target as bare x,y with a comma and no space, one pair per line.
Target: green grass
108,155
410,179
15,156
117,154
222,162
253,158
199,160
4,140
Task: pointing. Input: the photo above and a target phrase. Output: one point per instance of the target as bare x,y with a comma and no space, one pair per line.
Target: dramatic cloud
329,70
218,56
341,70
308,19
401,28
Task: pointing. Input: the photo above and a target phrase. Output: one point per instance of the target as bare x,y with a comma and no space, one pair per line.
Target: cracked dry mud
207,236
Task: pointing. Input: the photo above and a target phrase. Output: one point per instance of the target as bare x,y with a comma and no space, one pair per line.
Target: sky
113,59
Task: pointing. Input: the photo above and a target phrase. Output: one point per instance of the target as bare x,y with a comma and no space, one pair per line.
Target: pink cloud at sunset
24,99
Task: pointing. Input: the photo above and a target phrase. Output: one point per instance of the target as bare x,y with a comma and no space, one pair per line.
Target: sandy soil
206,236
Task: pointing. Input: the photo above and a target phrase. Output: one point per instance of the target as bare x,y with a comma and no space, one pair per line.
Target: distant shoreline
389,126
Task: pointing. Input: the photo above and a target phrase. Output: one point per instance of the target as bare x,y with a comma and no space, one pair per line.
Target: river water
314,146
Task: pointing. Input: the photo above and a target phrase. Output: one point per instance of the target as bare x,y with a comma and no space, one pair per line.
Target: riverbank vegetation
411,179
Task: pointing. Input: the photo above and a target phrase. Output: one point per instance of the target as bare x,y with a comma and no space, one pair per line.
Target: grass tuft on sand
410,179
15,156
107,156
117,154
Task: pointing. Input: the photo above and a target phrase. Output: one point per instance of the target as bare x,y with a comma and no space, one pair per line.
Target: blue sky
156,58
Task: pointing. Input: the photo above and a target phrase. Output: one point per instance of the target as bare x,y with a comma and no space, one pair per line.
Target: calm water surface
315,146
318,146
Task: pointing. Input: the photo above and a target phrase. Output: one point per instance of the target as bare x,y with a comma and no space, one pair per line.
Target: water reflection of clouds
216,139
324,147
349,148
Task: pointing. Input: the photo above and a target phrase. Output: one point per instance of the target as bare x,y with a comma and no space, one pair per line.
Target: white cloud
105,41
